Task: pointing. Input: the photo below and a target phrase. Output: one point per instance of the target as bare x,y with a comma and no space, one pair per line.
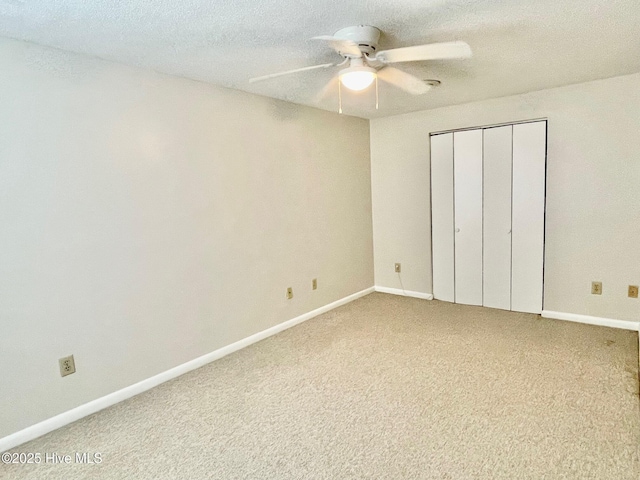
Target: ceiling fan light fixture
357,78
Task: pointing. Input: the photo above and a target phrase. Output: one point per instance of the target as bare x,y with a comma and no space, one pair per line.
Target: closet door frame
504,124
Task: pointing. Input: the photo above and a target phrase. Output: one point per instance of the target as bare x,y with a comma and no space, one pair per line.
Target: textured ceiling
519,45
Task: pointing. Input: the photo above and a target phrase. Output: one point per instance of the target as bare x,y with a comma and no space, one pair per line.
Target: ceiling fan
364,64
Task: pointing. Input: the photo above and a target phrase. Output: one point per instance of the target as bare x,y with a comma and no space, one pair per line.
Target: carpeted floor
385,387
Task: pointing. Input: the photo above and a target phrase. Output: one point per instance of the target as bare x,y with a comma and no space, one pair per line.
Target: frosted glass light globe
357,78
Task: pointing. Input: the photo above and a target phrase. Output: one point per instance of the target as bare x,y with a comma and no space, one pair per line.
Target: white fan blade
331,85
432,51
289,72
343,47
403,80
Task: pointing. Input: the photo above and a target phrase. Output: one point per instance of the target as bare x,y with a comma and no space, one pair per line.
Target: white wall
147,220
593,191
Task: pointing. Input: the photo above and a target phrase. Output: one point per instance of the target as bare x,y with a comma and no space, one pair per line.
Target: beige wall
148,220
593,191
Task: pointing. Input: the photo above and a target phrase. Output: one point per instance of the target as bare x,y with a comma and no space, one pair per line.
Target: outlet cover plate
314,284
633,291
67,366
289,293
398,268
596,288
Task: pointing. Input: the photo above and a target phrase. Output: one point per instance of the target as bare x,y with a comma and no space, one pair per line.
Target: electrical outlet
596,288
314,284
398,268
67,366
633,291
289,293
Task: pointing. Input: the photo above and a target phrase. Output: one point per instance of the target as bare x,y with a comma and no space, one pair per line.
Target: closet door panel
529,159
442,216
467,154
497,218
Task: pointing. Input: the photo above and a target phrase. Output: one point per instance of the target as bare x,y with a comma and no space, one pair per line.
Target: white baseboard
404,293
89,408
603,322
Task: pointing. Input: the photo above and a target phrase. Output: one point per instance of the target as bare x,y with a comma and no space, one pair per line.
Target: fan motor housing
365,36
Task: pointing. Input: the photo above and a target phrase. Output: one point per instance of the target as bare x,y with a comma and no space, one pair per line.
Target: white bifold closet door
527,239
442,216
496,278
487,200
467,177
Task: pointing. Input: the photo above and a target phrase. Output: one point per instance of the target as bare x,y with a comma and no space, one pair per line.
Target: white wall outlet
398,268
289,293
67,366
314,284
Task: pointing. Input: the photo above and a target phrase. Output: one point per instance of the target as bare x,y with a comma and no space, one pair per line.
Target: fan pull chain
376,92
339,97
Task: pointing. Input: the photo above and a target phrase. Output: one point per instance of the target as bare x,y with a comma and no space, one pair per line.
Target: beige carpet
386,388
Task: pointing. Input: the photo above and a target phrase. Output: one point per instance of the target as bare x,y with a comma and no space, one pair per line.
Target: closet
487,215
